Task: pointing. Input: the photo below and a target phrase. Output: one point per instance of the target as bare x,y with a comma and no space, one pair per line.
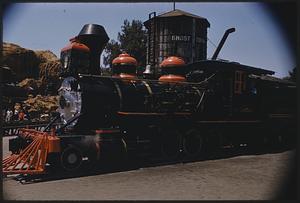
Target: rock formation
26,63
40,104
6,75
45,56
30,84
49,70
35,72
23,62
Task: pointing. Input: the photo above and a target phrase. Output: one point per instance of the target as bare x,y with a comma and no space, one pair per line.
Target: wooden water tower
176,33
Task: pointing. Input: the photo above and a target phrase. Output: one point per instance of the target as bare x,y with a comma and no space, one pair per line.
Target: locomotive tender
191,110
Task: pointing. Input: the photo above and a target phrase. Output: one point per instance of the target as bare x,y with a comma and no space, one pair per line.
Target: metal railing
14,129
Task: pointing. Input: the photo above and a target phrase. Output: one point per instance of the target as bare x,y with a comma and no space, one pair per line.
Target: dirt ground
246,177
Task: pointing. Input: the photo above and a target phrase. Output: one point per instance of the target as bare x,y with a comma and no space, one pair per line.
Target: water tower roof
177,12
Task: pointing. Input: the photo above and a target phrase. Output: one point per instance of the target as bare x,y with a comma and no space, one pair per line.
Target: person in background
9,115
3,114
21,115
16,114
26,114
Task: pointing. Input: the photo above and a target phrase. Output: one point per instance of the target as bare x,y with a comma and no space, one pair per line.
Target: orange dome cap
172,61
124,59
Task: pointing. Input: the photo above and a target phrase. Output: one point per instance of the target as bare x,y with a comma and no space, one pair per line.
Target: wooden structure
176,33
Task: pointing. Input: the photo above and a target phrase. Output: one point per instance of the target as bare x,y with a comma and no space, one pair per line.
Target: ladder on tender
151,39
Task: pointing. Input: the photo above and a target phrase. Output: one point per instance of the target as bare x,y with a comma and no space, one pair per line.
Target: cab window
239,82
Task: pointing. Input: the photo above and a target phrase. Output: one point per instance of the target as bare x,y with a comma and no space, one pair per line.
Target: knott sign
184,38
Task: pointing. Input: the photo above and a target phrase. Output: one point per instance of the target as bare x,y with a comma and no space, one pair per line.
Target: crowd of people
15,114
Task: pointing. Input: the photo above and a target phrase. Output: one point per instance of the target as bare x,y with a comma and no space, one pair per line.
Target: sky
257,41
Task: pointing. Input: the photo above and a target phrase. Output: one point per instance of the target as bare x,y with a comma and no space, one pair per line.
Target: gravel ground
247,177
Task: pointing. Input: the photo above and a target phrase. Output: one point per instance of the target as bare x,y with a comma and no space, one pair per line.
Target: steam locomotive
188,111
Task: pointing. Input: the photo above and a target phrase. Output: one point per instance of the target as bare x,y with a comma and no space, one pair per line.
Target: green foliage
112,50
293,74
132,39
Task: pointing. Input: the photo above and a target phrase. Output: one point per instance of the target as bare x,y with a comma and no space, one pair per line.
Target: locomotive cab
236,89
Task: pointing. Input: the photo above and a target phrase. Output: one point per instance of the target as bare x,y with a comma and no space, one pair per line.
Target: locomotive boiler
187,112
99,101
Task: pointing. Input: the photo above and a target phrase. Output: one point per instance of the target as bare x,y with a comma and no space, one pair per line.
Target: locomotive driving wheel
71,158
193,143
171,144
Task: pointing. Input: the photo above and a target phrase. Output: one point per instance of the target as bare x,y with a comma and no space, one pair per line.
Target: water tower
176,33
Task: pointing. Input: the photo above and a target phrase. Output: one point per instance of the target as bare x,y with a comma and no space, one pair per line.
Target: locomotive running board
32,159
153,114
229,121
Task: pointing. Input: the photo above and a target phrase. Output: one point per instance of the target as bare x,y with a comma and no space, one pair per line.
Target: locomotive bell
124,66
172,68
148,73
148,70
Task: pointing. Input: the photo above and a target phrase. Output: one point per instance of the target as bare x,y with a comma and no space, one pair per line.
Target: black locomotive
191,110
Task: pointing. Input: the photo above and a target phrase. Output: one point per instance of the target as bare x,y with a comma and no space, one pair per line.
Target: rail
14,129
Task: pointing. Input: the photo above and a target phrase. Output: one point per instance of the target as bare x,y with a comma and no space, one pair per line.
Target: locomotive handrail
51,122
24,125
68,123
154,114
201,99
14,130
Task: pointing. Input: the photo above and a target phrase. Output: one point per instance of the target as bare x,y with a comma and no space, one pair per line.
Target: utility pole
173,5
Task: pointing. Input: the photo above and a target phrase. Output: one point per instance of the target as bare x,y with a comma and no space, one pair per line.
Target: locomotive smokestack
95,37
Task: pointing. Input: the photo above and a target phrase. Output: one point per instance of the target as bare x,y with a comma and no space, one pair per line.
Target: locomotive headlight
69,100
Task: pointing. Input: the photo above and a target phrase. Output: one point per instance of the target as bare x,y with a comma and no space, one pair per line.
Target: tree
132,39
292,76
112,50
